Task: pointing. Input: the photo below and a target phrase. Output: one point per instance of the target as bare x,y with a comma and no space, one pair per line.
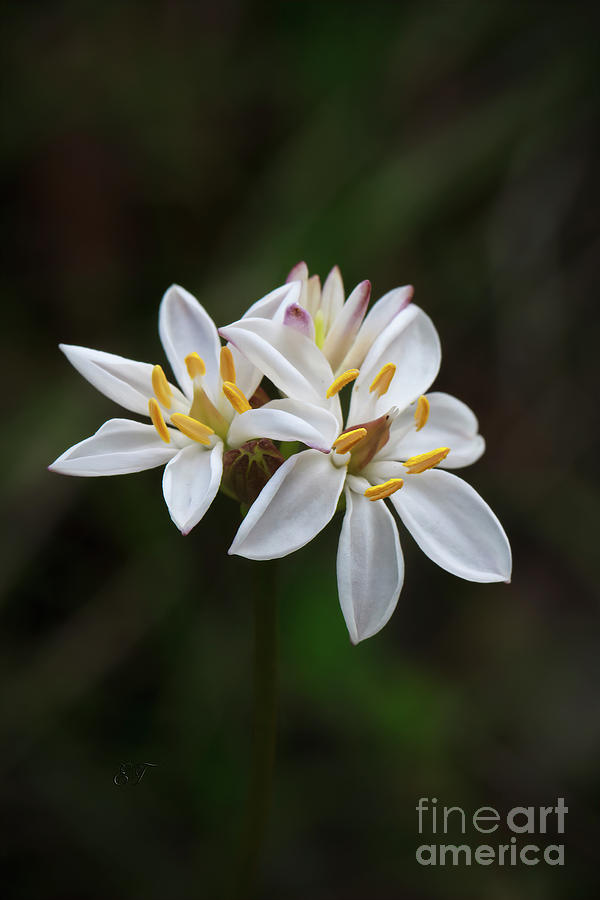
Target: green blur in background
450,145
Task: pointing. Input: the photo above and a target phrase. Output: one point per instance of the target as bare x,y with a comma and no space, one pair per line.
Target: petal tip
298,272
408,298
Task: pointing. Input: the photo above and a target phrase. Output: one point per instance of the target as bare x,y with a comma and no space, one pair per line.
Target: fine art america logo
528,844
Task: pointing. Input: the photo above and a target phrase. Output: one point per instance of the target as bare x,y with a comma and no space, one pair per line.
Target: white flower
191,425
337,326
386,450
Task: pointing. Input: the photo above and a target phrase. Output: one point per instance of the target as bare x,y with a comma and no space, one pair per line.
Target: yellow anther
341,381
349,439
227,365
417,464
158,421
421,412
381,491
383,379
192,428
195,365
236,397
161,387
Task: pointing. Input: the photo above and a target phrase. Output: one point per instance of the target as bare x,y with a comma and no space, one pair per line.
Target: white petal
286,420
247,376
185,327
292,362
267,306
379,317
190,483
119,446
345,327
127,382
292,508
450,424
412,344
298,273
310,296
453,525
370,566
378,471
332,298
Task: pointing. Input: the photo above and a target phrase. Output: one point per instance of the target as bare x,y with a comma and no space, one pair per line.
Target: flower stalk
264,603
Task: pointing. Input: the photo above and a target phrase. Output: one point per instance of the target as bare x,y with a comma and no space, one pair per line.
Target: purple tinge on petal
297,317
409,293
346,326
381,314
358,302
298,273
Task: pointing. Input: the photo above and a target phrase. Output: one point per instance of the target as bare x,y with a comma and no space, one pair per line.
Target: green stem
264,601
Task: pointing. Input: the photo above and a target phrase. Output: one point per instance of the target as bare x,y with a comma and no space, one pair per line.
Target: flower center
202,419
363,441
376,434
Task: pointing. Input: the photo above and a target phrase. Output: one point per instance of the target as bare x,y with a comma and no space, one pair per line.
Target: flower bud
259,398
247,469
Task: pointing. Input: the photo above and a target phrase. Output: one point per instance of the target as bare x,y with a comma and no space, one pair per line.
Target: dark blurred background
450,145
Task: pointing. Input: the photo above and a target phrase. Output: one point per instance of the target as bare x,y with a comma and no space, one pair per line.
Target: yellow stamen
236,397
381,491
349,439
417,464
158,421
161,387
192,428
383,379
341,381
421,412
195,365
227,365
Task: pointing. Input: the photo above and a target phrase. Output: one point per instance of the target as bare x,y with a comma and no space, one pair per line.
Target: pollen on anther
340,382
192,428
157,420
195,365
423,461
227,365
161,387
236,397
421,412
383,379
381,491
349,439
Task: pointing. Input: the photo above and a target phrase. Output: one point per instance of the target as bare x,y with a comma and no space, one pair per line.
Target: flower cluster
294,460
